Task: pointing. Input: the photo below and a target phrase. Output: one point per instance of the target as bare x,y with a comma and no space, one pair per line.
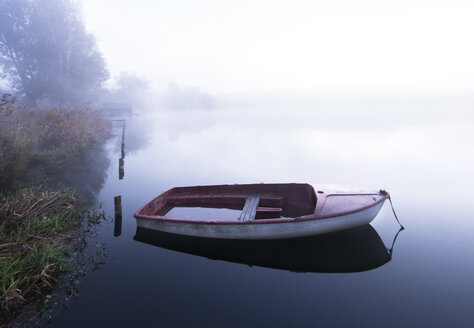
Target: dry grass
36,143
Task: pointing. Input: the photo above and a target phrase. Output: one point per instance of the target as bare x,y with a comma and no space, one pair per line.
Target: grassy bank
35,231
38,227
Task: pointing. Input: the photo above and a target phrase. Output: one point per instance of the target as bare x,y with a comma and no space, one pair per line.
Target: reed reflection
87,174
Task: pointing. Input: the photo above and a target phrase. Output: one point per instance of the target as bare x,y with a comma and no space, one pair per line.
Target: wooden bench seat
268,213
250,208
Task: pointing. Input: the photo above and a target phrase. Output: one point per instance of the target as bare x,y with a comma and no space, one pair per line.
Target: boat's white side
260,230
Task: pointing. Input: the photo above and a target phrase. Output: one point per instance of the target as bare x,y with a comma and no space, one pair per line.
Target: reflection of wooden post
118,216
123,141
121,171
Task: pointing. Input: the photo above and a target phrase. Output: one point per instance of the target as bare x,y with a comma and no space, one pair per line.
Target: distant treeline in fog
48,59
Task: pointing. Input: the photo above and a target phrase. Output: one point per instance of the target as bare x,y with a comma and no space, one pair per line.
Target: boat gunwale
320,198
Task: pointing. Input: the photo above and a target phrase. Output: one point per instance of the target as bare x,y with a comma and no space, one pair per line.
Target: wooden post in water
118,216
121,159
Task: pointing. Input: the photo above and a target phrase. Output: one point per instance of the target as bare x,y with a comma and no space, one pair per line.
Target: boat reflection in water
353,250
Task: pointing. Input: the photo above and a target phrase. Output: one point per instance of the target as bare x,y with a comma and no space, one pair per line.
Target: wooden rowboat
257,211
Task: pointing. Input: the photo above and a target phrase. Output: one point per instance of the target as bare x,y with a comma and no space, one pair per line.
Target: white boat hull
260,230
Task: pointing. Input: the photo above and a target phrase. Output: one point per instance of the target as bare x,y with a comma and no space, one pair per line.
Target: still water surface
425,163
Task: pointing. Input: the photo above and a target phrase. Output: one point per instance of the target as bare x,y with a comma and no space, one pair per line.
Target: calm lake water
424,158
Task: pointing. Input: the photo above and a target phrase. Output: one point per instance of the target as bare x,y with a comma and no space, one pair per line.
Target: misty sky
243,46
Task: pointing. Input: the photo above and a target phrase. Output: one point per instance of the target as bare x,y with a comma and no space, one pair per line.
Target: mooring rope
396,217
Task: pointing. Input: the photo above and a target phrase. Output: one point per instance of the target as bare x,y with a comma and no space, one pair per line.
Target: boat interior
254,201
